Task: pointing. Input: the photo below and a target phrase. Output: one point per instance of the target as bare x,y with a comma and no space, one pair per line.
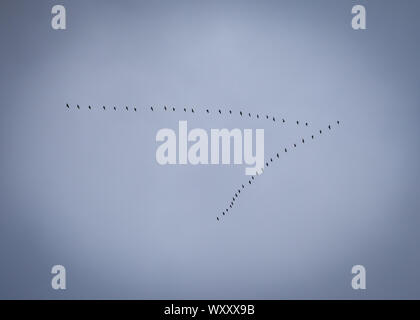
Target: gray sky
83,189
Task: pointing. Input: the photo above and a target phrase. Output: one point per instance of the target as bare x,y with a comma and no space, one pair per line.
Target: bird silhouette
285,150
243,186
297,122
103,107
207,110
249,114
230,111
192,110
284,120
185,109
274,119
151,108
173,109
67,105
303,140
220,111
135,109
217,218
271,159
338,122
329,127
312,136
252,177
320,131
126,108
240,112
266,116
278,156
115,108
258,116
266,164
90,108
249,181
164,108
223,213
306,124
78,107
294,145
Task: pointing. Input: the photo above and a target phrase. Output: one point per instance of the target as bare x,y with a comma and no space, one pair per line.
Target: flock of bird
192,110
219,111
267,164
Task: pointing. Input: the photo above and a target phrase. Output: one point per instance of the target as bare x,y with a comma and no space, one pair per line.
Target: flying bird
90,108
78,107
126,108
151,108
115,108
240,113
173,109
207,110
164,108
135,109
220,111
67,105
329,127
